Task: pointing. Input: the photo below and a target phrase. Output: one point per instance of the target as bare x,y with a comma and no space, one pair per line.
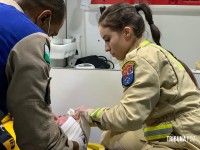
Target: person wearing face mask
25,27
161,95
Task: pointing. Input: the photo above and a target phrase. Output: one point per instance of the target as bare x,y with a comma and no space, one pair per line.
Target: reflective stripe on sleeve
97,113
158,132
96,117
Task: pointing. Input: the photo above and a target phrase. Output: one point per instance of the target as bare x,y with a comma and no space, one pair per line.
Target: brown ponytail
155,32
156,35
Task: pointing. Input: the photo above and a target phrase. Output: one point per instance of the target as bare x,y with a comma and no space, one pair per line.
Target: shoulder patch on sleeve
47,53
128,73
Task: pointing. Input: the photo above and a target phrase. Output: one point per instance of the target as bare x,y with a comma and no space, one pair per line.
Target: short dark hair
57,7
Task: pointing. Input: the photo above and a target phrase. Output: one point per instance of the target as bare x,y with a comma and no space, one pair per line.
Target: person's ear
44,18
127,32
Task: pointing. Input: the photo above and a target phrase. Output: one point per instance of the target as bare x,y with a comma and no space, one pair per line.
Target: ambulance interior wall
179,25
71,88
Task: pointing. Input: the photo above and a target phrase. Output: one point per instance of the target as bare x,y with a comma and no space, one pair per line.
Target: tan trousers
123,140
130,140
187,124
134,140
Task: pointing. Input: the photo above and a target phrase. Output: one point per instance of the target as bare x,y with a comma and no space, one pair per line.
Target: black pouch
98,61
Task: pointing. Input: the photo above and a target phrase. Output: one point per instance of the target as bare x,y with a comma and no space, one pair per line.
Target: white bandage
71,112
74,132
72,128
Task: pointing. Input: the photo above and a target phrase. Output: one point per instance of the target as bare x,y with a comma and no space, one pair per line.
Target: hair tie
102,8
137,7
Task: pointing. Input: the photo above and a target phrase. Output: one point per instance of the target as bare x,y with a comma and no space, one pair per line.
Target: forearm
33,131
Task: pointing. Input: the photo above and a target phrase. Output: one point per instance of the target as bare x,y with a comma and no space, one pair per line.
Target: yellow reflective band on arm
162,126
97,113
94,112
96,117
158,132
156,137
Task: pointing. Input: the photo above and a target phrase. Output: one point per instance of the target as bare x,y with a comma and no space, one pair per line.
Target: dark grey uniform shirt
25,67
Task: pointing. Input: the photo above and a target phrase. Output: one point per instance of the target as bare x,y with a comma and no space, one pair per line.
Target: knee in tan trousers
129,140
156,145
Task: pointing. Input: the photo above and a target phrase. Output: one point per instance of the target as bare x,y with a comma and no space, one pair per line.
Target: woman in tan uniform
160,96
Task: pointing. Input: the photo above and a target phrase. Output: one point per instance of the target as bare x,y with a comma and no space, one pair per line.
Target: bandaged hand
74,132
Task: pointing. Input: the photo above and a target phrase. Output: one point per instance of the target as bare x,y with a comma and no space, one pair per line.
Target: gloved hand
79,111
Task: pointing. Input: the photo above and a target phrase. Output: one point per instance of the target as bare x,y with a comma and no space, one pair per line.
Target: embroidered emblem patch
128,73
46,53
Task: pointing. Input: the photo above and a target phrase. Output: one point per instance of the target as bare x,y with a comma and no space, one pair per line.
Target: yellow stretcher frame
9,127
95,146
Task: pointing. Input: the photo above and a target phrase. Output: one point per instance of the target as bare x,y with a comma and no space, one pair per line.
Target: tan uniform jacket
28,95
162,91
